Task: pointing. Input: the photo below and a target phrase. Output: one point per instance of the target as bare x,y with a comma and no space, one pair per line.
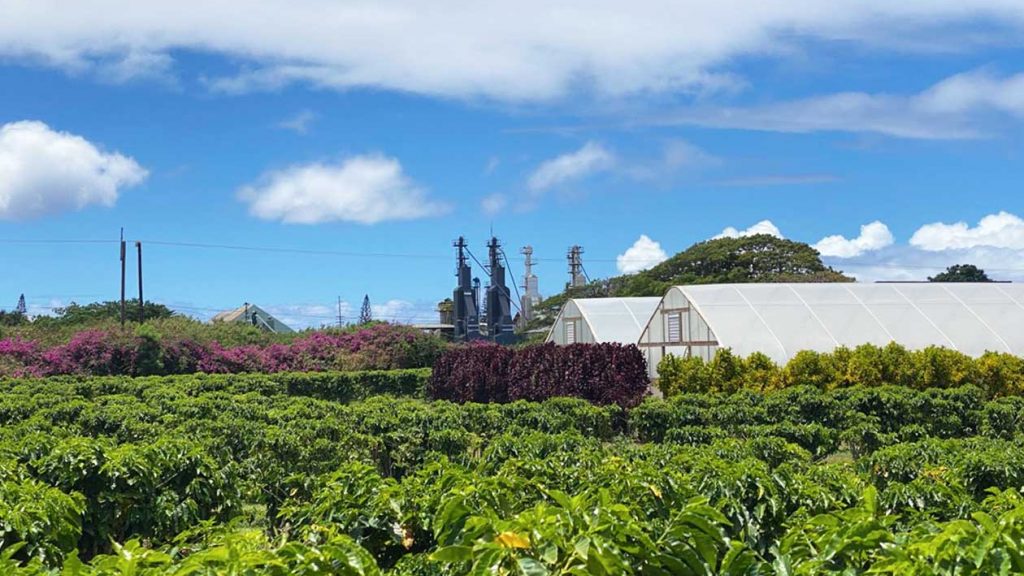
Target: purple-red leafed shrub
538,373
623,377
474,373
600,373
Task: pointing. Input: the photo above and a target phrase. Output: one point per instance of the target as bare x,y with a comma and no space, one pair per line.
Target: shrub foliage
254,474
998,374
145,352
600,373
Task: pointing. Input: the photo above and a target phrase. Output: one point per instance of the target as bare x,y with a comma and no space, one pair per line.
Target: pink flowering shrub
113,352
19,358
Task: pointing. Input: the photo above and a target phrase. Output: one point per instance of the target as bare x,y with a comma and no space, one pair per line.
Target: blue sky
889,136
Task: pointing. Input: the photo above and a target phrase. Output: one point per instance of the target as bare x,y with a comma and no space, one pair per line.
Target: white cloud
313,315
643,254
995,244
137,65
299,123
396,311
589,159
365,189
680,153
300,316
762,227
958,107
873,236
908,263
676,156
492,49
493,204
43,171
974,90
1002,230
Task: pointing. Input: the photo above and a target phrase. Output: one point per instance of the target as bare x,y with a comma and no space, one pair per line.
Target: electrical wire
514,285
271,249
356,254
17,241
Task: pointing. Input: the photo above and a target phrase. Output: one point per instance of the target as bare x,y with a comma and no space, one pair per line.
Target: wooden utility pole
123,255
142,308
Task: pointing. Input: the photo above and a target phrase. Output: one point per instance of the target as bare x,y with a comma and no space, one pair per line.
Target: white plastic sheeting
781,319
602,320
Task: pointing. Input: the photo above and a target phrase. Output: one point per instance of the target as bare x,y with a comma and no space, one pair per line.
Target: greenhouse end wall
676,328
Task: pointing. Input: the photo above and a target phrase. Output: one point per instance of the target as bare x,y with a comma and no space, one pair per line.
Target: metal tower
531,291
499,299
465,297
576,275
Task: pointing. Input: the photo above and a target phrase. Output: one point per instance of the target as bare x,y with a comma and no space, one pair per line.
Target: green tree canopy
12,318
758,258
99,312
961,273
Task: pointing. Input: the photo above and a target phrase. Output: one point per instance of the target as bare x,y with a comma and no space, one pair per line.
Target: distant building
253,314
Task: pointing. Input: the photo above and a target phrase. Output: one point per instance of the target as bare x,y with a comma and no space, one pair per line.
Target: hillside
758,258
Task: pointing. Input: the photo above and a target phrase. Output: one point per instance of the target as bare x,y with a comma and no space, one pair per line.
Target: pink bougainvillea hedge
145,353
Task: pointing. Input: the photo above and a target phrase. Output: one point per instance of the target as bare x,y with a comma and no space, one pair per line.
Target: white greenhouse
600,320
780,320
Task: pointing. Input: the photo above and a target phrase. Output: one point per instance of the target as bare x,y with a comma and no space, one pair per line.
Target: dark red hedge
474,373
600,373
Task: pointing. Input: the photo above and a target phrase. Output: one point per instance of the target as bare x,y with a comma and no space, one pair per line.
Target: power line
295,250
356,254
16,241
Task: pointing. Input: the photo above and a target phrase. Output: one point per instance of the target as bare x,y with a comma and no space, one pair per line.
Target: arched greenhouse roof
782,319
619,320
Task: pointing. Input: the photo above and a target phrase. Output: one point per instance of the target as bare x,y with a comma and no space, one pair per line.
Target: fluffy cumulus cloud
643,254
762,227
995,244
873,236
364,189
908,263
1002,230
43,171
589,159
490,49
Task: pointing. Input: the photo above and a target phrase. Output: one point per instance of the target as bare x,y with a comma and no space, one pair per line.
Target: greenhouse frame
780,320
